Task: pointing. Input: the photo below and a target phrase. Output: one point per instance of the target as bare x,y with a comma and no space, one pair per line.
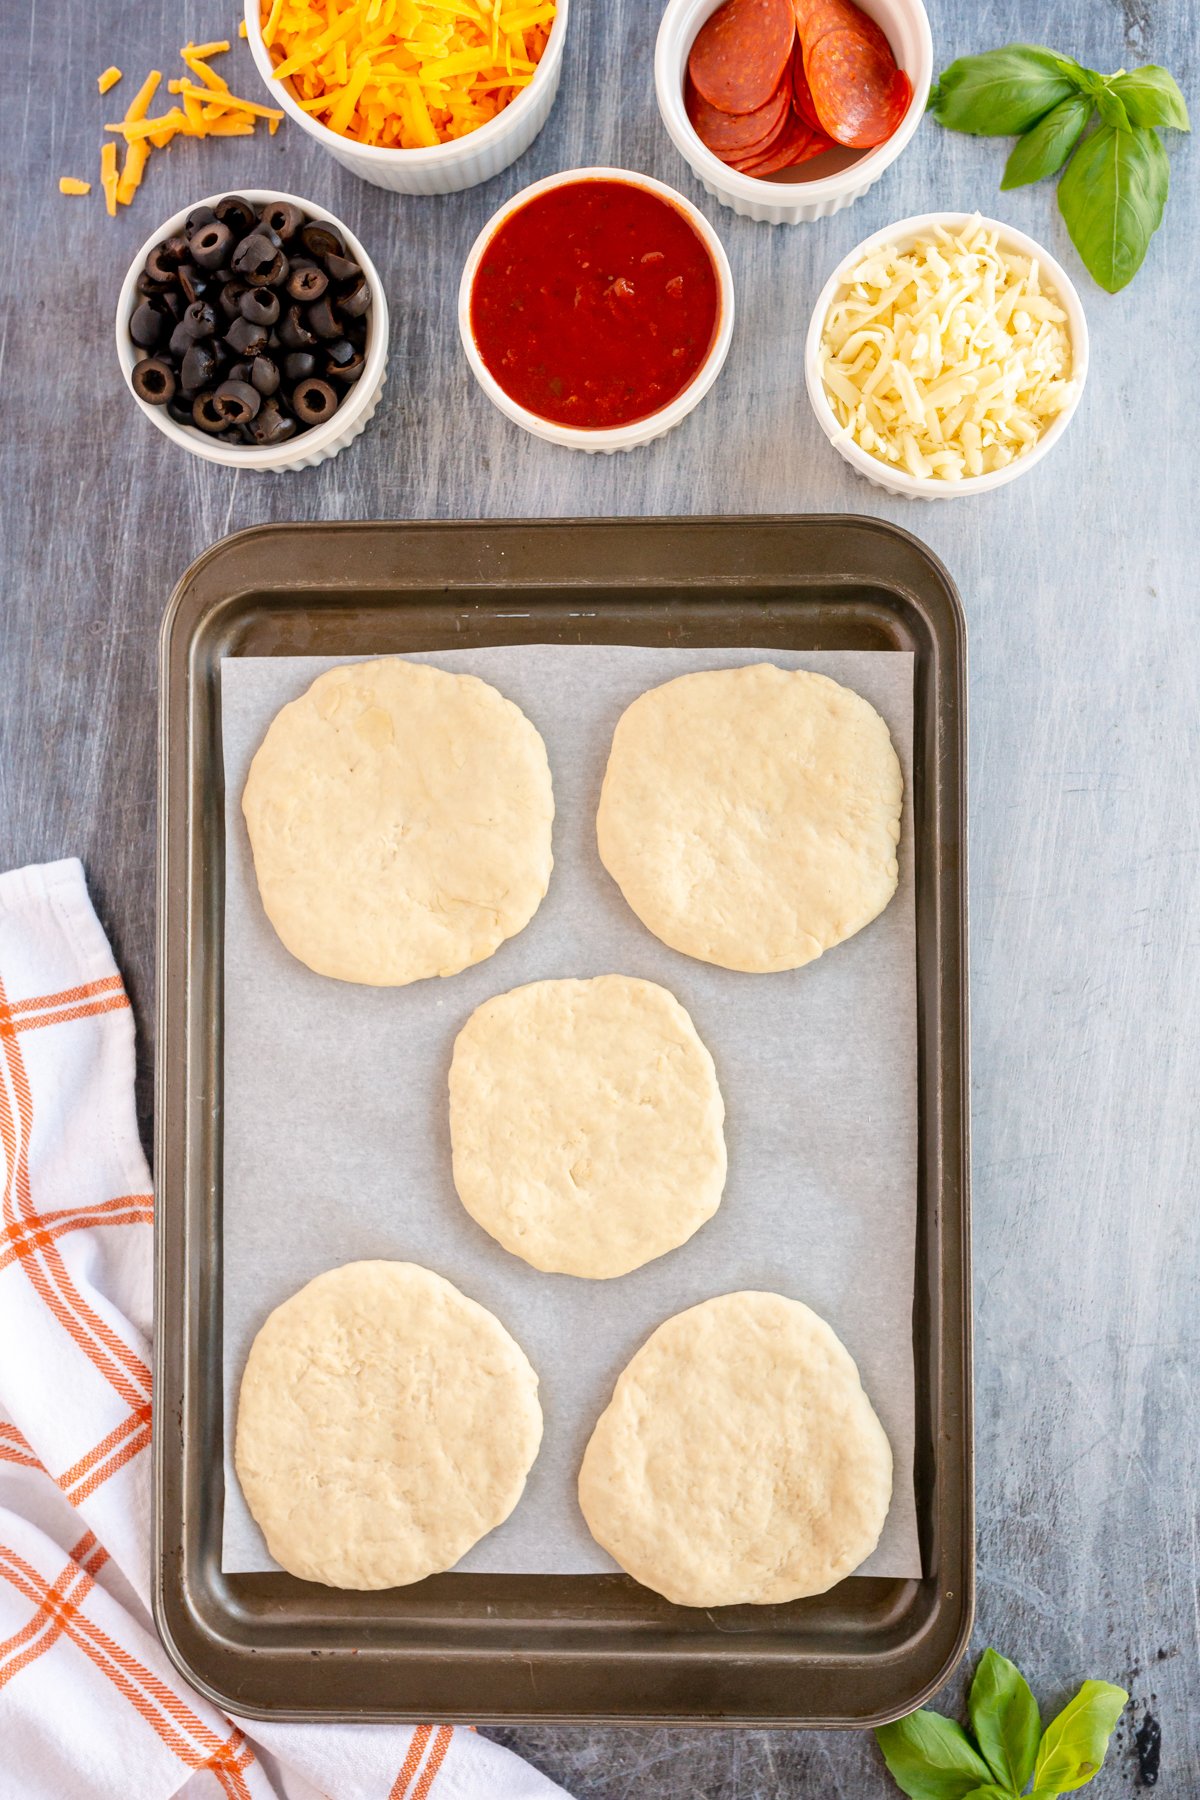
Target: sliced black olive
157,266
259,305
211,245
194,282
321,240
173,301
293,332
154,381
299,364
207,415
199,215
236,211
273,341
180,410
342,268
307,283
237,400
356,331
282,218
239,371
323,320
231,295
314,401
264,374
272,426
258,262
246,338
199,320
198,368
181,340
343,362
356,300
149,324
148,283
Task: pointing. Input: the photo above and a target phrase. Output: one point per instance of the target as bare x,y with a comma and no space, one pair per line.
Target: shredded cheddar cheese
108,178
405,74
947,358
109,78
207,109
71,184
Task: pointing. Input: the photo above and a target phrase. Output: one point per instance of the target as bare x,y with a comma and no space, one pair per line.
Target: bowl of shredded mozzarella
946,356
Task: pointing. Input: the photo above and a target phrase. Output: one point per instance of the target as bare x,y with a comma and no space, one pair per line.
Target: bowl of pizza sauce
596,309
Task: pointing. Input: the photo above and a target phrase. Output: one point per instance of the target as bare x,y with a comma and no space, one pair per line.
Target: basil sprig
1114,186
932,1758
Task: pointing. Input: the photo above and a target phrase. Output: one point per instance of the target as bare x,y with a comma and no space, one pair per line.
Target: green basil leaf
1089,81
931,1758
1046,146
1151,97
1112,110
1005,1719
1001,93
1112,197
992,1792
1074,1743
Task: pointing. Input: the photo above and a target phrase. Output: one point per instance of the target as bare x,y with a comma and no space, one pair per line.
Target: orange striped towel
89,1705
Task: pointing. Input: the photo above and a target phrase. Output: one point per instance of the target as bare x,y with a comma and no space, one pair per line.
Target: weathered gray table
1085,837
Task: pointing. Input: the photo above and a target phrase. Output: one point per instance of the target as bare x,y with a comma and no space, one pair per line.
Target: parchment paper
336,1137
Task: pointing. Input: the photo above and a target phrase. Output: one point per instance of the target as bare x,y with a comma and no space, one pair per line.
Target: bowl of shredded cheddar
420,96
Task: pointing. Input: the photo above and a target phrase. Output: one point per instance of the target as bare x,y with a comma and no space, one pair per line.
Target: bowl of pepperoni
789,110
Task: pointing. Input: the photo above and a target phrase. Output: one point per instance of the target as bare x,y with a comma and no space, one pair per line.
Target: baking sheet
336,1145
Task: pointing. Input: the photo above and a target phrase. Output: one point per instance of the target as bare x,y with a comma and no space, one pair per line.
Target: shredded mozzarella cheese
947,358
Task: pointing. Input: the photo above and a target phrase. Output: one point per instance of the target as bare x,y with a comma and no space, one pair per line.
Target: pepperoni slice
858,94
786,150
737,132
740,54
751,152
801,92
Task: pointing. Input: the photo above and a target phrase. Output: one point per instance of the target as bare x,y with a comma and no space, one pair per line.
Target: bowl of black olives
252,329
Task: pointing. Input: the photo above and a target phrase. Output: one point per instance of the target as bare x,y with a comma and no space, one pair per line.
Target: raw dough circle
386,1423
739,1459
750,816
400,821
585,1120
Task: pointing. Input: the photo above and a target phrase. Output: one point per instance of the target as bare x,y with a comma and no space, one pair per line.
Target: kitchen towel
90,1706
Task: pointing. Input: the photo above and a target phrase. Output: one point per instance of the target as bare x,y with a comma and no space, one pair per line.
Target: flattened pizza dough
739,1460
400,821
751,816
586,1124
386,1423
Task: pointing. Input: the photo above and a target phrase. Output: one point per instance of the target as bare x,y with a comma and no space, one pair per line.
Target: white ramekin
640,431
774,201
308,448
926,487
446,168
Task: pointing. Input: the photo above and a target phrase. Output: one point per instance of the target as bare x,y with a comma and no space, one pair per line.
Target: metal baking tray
509,1648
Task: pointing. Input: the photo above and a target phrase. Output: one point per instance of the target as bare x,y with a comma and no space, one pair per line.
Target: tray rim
958,1327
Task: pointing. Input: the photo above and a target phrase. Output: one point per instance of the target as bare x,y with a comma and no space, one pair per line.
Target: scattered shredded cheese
405,74
109,78
208,109
108,177
947,358
71,184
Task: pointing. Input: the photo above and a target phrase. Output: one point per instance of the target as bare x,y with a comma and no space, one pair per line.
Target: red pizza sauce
595,304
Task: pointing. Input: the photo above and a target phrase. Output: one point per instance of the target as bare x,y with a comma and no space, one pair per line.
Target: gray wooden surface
1079,587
